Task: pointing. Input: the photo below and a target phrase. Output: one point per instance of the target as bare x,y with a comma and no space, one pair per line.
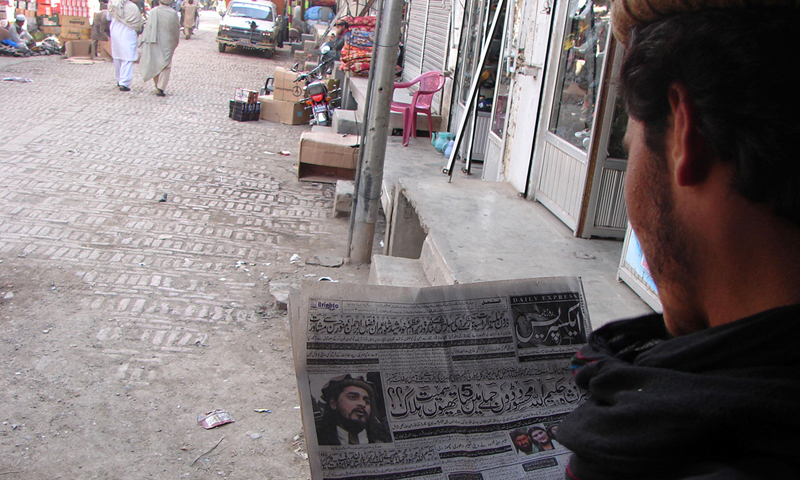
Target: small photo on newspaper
460,382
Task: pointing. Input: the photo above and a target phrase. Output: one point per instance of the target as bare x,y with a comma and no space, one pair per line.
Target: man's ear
332,403
690,153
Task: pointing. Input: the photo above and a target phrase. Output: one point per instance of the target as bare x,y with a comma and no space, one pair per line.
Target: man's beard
665,242
352,425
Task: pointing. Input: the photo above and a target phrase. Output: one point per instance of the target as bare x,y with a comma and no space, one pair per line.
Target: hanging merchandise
358,44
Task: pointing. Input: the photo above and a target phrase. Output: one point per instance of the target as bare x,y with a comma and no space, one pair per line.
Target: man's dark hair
518,433
336,385
736,65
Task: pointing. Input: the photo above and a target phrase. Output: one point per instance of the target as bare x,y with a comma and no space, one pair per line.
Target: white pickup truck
252,25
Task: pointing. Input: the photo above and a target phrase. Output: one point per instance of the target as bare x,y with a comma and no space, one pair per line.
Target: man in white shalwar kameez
159,41
126,23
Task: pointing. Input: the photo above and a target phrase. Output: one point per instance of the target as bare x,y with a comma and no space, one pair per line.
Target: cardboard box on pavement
285,87
327,157
288,113
79,48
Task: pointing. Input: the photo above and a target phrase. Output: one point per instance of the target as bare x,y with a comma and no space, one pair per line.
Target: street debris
295,258
262,410
269,153
325,261
285,153
300,447
163,198
584,256
327,279
17,79
214,418
255,436
280,291
207,453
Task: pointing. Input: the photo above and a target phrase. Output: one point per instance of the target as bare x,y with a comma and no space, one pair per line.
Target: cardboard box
74,22
246,96
69,33
47,20
79,48
285,87
327,157
288,113
50,30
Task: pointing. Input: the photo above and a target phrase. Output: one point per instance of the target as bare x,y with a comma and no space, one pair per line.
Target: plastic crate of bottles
243,111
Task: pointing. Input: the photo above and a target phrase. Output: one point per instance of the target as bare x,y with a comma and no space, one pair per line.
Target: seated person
19,35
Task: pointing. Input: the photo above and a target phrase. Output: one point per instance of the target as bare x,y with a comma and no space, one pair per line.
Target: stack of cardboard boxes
68,20
286,104
75,8
26,8
245,107
48,24
74,27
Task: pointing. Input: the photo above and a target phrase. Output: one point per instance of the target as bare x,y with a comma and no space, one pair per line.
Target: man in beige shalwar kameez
159,41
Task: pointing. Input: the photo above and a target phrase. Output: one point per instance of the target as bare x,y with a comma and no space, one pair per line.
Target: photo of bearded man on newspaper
350,413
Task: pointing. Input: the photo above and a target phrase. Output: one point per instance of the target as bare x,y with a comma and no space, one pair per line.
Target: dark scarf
720,403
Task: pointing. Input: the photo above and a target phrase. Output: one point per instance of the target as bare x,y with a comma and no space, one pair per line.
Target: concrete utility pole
368,198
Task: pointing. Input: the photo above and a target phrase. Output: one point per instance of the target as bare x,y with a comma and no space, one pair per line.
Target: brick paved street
122,317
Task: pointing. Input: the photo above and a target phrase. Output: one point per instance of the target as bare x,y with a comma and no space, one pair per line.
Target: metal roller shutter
426,40
436,40
415,39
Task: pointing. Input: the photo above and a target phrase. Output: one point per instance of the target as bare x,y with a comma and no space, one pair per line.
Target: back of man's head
735,66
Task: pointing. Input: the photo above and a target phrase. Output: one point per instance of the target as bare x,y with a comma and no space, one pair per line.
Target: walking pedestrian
189,15
159,41
126,23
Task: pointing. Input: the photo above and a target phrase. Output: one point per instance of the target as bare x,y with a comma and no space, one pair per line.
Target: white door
568,129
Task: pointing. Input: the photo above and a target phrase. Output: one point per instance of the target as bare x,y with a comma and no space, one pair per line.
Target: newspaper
459,382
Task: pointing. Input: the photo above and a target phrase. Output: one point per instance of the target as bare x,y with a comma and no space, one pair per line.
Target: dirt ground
123,318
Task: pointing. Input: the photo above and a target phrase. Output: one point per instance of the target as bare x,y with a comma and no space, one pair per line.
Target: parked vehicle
318,98
252,25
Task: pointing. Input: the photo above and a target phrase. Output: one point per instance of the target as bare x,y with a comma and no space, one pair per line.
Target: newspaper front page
461,382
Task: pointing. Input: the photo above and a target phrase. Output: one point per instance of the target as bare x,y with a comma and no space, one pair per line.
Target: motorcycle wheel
267,53
221,47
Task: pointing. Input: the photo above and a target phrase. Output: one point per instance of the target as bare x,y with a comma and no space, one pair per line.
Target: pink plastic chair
429,84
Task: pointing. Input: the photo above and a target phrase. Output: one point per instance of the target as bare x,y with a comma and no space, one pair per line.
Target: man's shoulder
326,432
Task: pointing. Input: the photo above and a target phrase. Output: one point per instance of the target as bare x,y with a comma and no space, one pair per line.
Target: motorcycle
318,98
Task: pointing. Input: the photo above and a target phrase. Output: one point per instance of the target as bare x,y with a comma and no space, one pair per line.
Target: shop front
579,164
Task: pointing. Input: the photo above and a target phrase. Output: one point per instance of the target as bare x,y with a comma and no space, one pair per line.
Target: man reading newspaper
712,388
